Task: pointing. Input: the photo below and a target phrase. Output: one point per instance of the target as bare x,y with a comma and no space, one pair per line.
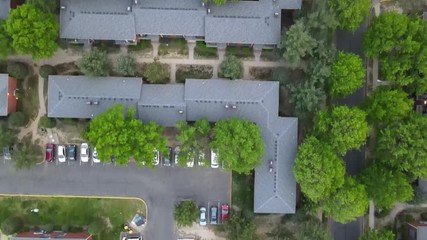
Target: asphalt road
351,42
160,188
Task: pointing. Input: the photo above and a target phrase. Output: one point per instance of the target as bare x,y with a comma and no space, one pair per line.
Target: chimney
276,14
63,7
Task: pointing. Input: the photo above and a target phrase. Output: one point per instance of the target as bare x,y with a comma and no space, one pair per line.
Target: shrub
17,119
186,213
193,71
11,225
65,228
47,70
46,122
424,216
126,65
17,70
231,67
94,63
157,72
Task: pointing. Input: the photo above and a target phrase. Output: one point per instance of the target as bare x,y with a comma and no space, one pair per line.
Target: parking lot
161,187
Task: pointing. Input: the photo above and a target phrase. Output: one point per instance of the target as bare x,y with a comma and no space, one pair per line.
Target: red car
224,211
50,153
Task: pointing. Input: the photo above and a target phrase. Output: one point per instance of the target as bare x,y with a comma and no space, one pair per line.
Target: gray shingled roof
68,95
170,22
163,104
96,19
4,8
4,83
250,22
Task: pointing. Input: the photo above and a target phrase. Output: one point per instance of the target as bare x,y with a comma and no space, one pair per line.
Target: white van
214,160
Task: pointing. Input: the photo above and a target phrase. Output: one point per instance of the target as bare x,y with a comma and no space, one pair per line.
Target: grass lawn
204,51
242,191
240,52
270,54
28,100
143,45
75,213
193,71
173,45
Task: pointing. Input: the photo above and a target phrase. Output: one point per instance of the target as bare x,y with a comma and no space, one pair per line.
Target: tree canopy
347,75
239,227
239,144
297,43
11,225
126,65
306,98
5,42
403,146
311,230
95,63
231,67
386,105
186,212
375,234
18,70
51,6
350,13
157,72
7,137
32,31
318,170
125,137
348,203
386,187
193,139
341,127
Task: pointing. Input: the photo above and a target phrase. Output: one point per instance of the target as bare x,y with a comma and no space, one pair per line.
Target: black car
72,152
167,158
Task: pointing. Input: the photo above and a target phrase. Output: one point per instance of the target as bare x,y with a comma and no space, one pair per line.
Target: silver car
202,221
214,215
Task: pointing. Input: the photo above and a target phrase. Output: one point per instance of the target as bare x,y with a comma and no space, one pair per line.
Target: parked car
176,152
214,215
72,152
156,158
191,162
167,157
201,160
50,153
214,160
84,152
95,158
61,153
202,221
224,212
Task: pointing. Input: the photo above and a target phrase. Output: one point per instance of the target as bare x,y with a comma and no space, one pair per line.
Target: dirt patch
70,131
261,73
66,68
198,232
193,71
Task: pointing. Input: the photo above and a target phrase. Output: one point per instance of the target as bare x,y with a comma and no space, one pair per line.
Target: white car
156,158
61,154
95,158
84,152
214,160
202,221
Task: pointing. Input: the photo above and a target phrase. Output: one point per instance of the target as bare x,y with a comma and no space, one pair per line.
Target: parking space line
208,212
80,161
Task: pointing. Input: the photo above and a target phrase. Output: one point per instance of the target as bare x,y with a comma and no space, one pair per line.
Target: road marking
208,212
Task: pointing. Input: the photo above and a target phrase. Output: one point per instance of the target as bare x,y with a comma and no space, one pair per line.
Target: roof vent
181,112
136,2
270,169
226,106
209,10
234,106
95,103
129,9
88,103
64,7
276,14
203,4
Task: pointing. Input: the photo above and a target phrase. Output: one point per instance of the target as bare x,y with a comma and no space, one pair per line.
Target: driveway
161,188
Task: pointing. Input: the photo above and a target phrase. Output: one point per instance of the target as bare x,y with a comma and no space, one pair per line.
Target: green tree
239,144
341,127
26,155
193,139
7,137
126,65
348,203
387,105
5,42
97,227
318,170
231,67
17,119
312,230
157,72
350,13
186,212
94,63
51,6
403,146
17,70
46,70
32,31
375,234
306,98
347,75
297,43
11,225
124,137
239,227
386,187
